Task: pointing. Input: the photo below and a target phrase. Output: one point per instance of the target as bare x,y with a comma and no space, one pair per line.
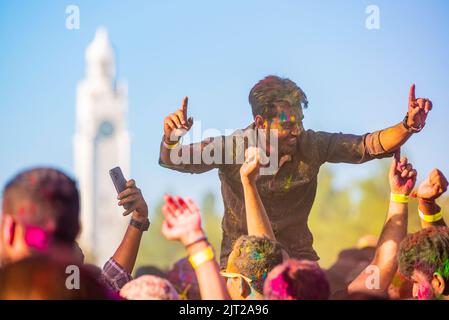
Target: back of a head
149,288
254,257
350,263
44,200
273,89
150,270
40,278
427,251
297,280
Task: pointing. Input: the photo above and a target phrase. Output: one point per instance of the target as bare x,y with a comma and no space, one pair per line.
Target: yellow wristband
203,256
430,217
399,198
171,146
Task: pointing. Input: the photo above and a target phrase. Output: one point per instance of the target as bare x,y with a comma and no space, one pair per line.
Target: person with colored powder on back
289,192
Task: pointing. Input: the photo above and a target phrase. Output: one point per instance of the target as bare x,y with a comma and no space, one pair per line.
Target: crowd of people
40,223
264,255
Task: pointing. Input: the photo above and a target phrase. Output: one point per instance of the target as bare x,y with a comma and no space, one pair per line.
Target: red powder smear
424,293
37,238
21,211
32,178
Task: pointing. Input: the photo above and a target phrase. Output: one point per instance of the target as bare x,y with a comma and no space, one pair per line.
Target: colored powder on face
292,119
283,117
275,124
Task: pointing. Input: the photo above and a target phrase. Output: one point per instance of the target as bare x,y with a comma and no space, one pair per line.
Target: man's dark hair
274,89
43,197
427,251
255,257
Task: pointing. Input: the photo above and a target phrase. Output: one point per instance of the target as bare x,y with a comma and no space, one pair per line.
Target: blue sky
357,80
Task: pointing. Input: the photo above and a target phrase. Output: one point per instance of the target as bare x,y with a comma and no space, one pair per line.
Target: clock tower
101,143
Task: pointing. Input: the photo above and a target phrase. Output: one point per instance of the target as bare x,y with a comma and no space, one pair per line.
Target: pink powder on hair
37,238
279,286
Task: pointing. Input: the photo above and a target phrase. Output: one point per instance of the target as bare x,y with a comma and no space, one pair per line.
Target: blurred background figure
149,288
183,277
350,262
41,278
150,270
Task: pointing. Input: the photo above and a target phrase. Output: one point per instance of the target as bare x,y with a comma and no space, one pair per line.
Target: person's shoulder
311,137
244,131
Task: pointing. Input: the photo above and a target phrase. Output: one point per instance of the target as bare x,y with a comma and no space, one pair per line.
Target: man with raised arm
287,194
376,278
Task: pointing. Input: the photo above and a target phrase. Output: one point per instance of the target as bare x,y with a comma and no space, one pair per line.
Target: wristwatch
142,226
409,128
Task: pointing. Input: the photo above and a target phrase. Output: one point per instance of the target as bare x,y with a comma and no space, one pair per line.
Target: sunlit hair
297,280
426,251
254,257
275,89
44,198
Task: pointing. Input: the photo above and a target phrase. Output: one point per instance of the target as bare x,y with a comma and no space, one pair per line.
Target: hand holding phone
119,181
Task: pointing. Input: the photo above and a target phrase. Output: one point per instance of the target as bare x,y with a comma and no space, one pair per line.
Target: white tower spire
101,142
100,58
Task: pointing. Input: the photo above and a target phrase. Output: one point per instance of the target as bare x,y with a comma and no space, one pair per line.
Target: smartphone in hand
119,181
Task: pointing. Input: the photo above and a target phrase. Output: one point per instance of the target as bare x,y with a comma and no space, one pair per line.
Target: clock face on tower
106,129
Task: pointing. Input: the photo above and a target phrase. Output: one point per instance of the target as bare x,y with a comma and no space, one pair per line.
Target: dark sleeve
197,157
349,148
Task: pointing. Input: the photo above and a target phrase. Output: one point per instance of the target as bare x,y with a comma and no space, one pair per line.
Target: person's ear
438,284
9,229
259,121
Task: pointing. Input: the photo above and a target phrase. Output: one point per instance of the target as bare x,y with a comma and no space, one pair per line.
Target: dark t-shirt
288,194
